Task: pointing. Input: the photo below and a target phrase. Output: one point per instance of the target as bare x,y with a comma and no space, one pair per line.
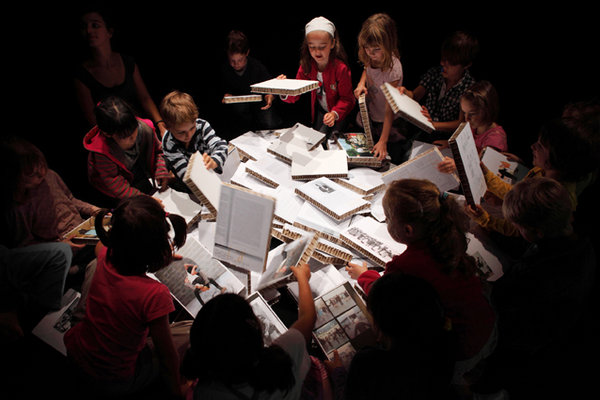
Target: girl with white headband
323,58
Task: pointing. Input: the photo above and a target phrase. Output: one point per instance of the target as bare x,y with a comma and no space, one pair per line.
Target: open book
249,98
271,324
318,163
285,86
243,230
423,166
499,164
467,163
358,152
52,327
85,233
406,107
204,183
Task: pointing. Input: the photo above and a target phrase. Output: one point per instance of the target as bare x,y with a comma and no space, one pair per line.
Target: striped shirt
177,156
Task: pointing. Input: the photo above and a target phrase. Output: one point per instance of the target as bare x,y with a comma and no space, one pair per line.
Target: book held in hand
252,98
85,233
499,164
204,183
285,87
406,107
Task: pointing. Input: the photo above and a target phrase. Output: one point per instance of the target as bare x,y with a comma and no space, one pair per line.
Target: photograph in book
271,324
52,327
205,184
197,277
406,107
284,86
467,163
85,233
508,170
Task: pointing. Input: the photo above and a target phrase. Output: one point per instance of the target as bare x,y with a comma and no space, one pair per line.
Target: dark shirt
238,85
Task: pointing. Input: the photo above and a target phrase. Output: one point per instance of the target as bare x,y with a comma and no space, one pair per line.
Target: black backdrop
538,59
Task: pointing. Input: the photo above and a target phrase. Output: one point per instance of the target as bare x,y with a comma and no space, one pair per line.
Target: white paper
314,164
407,107
470,161
52,327
334,197
207,181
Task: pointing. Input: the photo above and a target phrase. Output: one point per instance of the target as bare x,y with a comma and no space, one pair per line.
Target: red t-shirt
107,342
462,298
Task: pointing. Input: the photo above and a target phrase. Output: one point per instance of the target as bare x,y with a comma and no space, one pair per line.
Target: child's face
375,53
238,61
452,72
126,143
320,44
33,180
184,132
94,29
472,114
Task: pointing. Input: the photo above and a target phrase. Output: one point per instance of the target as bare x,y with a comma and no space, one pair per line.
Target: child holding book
378,52
323,59
433,227
187,134
125,307
125,157
227,357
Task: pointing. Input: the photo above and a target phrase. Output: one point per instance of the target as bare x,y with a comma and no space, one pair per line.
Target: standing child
323,58
124,153
186,135
378,52
433,227
124,306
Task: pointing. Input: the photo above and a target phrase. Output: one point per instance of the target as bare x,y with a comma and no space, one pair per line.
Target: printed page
467,151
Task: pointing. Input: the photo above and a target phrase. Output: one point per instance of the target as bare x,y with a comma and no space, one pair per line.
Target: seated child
124,153
187,134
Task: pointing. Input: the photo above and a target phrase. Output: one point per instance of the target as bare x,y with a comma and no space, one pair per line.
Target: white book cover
284,86
231,164
243,231
324,279
423,166
182,204
310,217
363,180
204,183
499,164
408,108
253,144
310,136
318,163
487,258
271,170
419,147
289,143
52,327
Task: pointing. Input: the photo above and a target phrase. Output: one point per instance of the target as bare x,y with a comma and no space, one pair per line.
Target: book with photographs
423,166
363,181
319,163
406,107
358,152
284,87
271,324
204,183
52,327
250,98
510,171
342,323
183,204
466,158
243,230
197,277
372,239
332,198
85,233
292,232
284,256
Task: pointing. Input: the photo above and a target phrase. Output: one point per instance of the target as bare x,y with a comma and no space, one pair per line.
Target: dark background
539,59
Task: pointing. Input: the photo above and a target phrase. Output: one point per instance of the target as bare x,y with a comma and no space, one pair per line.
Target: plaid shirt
444,107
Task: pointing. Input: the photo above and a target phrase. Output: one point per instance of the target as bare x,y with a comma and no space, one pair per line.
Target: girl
323,58
227,355
433,227
124,306
378,52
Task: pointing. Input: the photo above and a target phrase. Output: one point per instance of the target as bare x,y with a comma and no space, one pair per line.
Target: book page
271,324
499,164
52,327
467,162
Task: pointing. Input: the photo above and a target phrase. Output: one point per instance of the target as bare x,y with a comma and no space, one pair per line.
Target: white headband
320,24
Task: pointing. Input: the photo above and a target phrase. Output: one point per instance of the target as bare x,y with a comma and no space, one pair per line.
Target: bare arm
307,315
147,102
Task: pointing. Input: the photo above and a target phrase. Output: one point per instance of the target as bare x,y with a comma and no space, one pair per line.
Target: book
363,181
284,87
243,231
85,233
251,145
319,163
271,324
205,184
197,277
423,166
372,239
332,198
310,218
499,164
183,204
272,171
364,115
250,98
292,232
297,139
358,152
467,163
52,327
406,107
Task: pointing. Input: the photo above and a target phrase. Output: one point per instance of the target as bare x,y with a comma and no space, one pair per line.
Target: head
237,50
480,104
179,111
458,53
540,208
321,43
28,167
227,332
378,41
117,120
417,212
138,239
96,25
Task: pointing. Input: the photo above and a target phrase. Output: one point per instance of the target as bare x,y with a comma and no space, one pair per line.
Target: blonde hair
484,98
441,221
379,30
178,107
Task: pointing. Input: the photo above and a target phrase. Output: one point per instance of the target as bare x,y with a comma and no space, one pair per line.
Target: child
433,227
323,58
241,71
378,52
124,153
124,306
186,135
439,89
227,355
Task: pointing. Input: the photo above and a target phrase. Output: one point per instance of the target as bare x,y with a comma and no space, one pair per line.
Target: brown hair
379,30
484,97
460,48
441,221
178,107
337,52
237,42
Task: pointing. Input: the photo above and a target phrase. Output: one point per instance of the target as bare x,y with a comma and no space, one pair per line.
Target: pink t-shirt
107,342
494,137
375,78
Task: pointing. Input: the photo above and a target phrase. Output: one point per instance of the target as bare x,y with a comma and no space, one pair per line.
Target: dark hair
114,116
138,237
460,48
237,42
226,346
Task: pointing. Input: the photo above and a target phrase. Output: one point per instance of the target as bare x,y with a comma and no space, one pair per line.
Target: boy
125,153
186,134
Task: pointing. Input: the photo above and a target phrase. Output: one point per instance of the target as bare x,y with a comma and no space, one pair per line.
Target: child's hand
355,270
282,76
209,163
380,150
329,119
360,89
301,272
447,165
226,95
269,100
512,157
405,91
425,112
335,363
474,212
163,183
74,246
441,144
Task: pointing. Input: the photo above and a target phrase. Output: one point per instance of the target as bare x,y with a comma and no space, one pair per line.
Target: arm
361,86
346,100
160,332
112,183
217,147
307,315
84,98
147,102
